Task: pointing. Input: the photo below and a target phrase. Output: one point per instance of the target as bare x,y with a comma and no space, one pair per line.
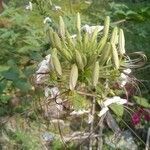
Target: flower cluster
138,115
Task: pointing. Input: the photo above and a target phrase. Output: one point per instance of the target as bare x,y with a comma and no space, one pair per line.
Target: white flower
45,65
29,6
103,111
73,36
51,91
127,71
56,8
91,29
47,20
116,99
123,79
43,68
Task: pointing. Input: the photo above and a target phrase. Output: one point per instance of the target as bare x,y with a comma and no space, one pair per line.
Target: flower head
29,6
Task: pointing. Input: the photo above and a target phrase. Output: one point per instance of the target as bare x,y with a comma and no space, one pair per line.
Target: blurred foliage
24,43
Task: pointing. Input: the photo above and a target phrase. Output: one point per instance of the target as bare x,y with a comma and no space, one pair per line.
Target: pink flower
141,113
136,118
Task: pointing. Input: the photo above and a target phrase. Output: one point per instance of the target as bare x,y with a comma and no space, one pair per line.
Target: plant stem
92,123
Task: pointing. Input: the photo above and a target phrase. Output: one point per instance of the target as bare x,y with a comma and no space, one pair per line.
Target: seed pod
78,22
57,41
56,64
95,74
73,77
51,37
101,44
106,53
115,56
84,60
106,26
114,37
79,60
66,54
121,42
61,27
69,39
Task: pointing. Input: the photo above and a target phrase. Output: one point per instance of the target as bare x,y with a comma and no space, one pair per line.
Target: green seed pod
95,74
114,37
101,44
61,27
56,64
73,77
66,54
105,55
51,36
79,60
115,56
57,41
78,22
121,42
106,26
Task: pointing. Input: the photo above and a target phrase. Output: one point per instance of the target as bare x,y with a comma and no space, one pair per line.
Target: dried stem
92,123
148,139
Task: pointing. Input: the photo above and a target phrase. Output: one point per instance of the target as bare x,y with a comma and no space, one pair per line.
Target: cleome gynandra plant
91,70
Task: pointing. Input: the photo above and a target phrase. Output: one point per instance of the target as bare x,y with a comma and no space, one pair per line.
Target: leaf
117,109
24,86
4,68
10,74
142,101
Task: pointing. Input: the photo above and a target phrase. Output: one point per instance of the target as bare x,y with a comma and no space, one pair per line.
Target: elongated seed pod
84,60
57,41
115,56
51,36
101,44
79,60
73,77
66,54
114,37
121,42
57,64
106,26
95,74
78,22
61,27
106,53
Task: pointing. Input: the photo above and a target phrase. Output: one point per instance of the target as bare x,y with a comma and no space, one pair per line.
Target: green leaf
24,86
4,68
10,74
4,98
117,109
142,101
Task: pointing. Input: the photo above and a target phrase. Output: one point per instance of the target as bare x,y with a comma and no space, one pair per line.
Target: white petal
103,111
47,19
54,92
57,7
115,99
47,91
127,71
73,36
123,76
